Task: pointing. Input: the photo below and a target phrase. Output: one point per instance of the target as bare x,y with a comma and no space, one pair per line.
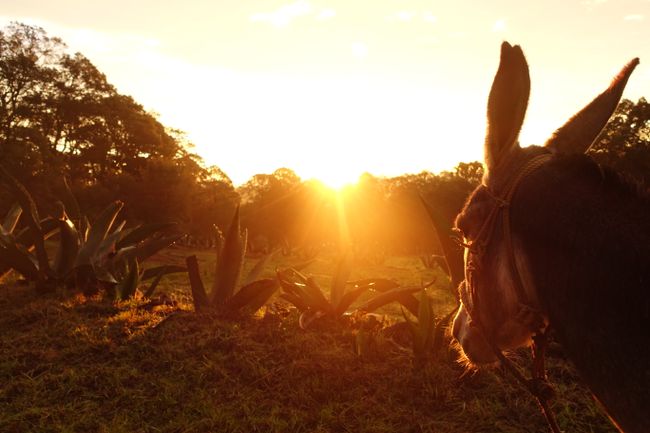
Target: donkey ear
579,133
506,105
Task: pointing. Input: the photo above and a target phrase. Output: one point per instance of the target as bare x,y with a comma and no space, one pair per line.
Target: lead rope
538,385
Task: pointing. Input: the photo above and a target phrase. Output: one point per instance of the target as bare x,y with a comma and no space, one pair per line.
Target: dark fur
586,232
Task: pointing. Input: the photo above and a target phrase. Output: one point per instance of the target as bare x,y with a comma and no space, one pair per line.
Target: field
77,364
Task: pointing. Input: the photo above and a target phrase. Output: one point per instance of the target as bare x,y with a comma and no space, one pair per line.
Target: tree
59,116
624,144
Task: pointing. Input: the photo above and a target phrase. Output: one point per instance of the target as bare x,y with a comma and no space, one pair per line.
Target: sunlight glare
338,180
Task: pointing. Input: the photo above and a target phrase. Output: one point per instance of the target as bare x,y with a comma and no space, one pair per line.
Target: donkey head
493,313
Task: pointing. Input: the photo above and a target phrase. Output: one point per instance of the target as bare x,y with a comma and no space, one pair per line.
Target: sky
332,89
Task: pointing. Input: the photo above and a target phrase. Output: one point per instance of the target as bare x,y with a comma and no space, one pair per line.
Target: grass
76,364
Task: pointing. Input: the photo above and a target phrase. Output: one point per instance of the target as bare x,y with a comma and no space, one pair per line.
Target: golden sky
335,88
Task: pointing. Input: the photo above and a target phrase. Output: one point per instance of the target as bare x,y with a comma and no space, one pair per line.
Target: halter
537,385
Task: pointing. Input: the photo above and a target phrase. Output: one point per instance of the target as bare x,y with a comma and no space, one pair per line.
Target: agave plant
427,332
87,256
307,295
107,255
17,245
227,297
422,330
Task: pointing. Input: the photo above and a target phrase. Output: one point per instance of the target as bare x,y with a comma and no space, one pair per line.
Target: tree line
60,117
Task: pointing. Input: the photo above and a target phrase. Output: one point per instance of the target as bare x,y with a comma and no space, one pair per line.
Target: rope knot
501,202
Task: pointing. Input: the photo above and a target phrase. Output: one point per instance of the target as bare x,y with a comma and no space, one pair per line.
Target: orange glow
338,181
333,90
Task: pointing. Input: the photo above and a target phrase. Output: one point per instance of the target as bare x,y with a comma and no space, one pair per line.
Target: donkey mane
623,183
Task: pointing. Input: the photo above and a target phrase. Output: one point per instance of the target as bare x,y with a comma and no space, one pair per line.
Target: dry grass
71,364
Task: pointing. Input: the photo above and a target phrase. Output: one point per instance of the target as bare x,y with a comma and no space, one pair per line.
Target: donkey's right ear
506,105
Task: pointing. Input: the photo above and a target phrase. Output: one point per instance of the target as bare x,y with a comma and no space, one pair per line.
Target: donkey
553,239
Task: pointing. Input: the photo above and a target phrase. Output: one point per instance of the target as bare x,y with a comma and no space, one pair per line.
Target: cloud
326,14
429,17
499,26
284,15
405,15
634,17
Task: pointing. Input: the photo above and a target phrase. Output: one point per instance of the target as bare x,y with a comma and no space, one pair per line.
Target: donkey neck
588,243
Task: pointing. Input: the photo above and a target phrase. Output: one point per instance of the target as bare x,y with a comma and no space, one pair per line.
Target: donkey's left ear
579,133
506,105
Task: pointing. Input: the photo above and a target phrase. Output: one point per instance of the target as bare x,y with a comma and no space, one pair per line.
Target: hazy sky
334,88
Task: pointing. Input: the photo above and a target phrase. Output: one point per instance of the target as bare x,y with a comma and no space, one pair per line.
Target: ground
69,363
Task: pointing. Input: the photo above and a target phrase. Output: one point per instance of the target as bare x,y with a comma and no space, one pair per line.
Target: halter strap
537,385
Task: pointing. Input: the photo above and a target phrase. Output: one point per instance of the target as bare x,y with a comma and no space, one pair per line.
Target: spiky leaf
68,247
11,219
348,299
376,284
453,254
97,233
49,227
157,273
425,320
30,211
252,296
403,295
439,332
141,233
145,249
315,297
341,275
229,263
150,273
70,202
199,296
17,257
257,270
296,300
127,287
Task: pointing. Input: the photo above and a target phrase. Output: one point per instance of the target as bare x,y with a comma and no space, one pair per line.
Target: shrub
228,297
88,256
